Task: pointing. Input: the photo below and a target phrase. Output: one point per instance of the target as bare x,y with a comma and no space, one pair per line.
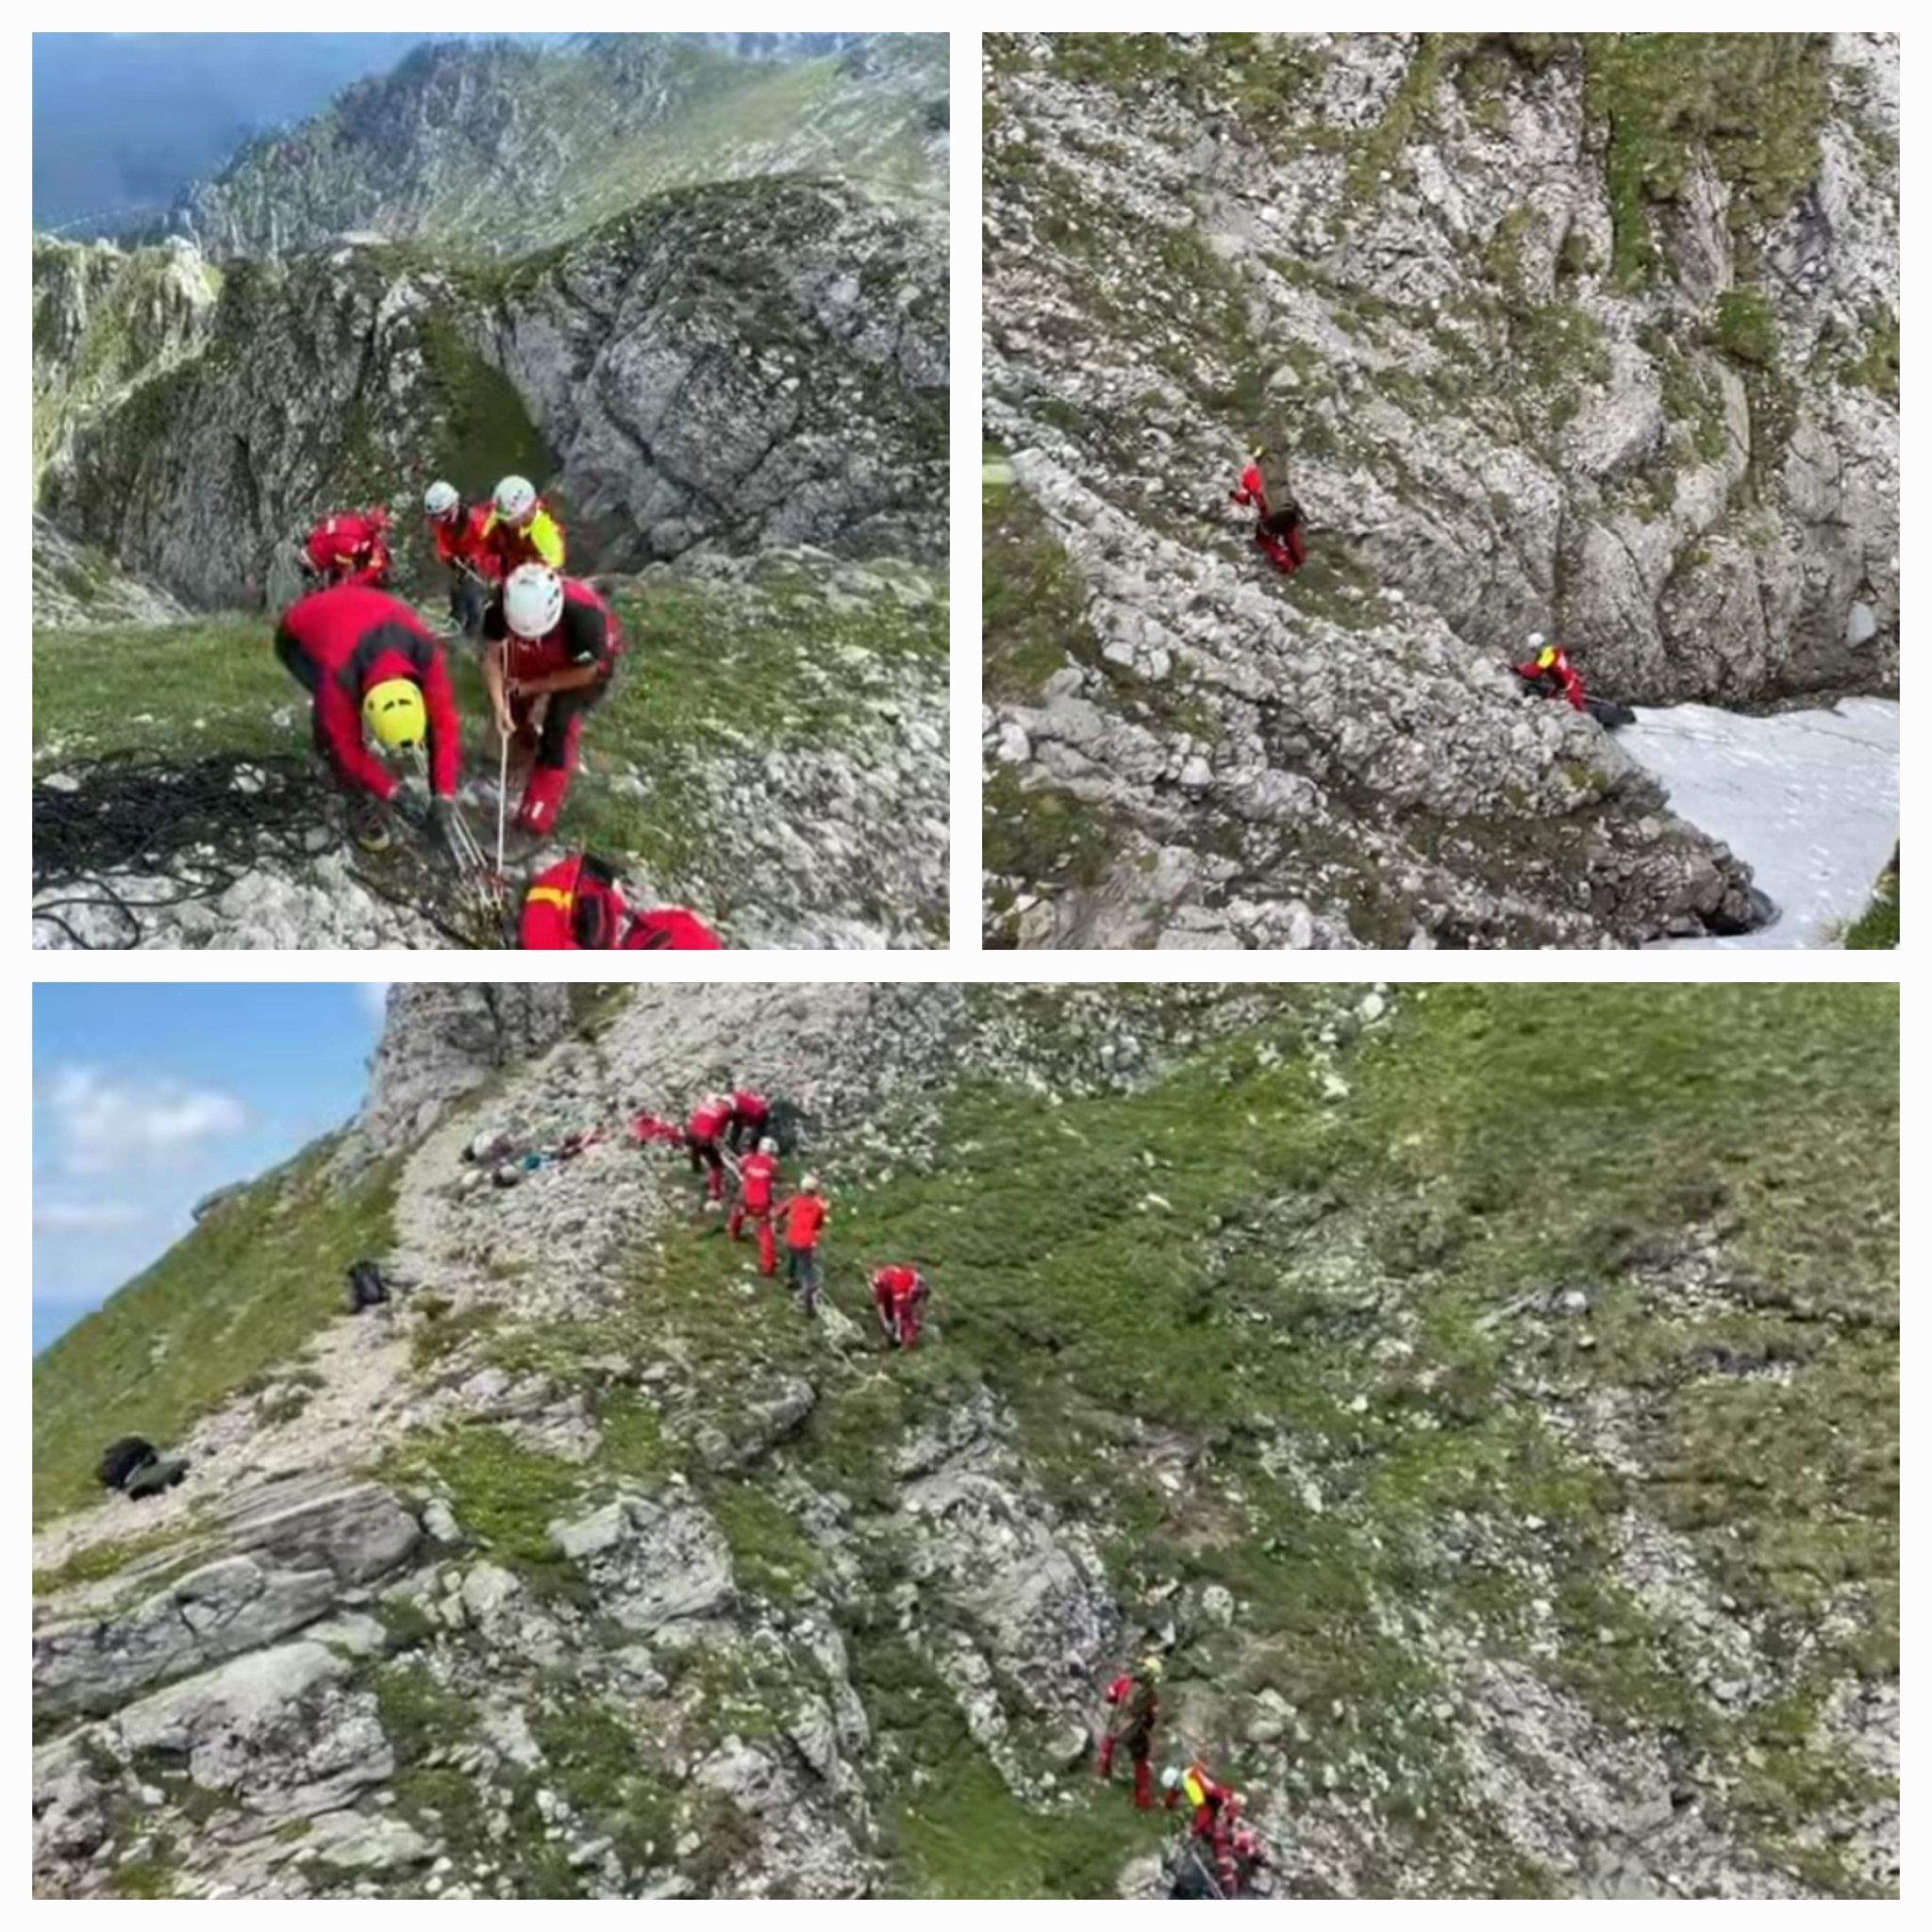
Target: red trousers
761,1219
1143,1772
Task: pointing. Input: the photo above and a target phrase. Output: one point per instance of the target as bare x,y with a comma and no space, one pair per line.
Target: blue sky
145,1097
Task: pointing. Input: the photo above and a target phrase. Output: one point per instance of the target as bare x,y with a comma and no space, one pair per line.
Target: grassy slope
1875,929
705,672
1495,1143
1492,1141
233,1299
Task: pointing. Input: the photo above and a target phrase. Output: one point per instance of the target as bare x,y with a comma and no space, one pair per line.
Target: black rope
189,831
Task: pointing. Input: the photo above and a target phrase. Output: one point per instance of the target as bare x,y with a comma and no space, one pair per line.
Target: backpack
119,1460
366,1286
157,1473
786,1125
1276,482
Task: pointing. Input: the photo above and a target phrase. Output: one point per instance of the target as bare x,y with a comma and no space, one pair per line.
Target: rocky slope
772,754
1589,335
503,147
746,365
1503,1534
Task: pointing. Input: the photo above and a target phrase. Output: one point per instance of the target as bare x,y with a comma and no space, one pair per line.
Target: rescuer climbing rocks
1214,1809
1265,488
368,663
757,1176
1548,670
1134,1707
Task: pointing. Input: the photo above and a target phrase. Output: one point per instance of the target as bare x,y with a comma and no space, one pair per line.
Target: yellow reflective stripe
552,896
546,538
1192,1785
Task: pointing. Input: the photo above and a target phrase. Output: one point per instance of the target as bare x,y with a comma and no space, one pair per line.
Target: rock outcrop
1546,356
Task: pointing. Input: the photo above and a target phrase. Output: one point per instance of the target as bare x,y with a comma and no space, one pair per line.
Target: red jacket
1552,665
670,929
1250,492
708,1120
540,539
574,906
351,546
460,539
804,1218
757,1174
750,1110
587,633
898,1284
344,640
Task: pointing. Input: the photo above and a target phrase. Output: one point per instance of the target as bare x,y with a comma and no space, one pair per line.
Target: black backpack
119,1460
366,1286
786,1125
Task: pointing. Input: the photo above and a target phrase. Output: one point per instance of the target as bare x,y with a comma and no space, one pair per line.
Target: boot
368,821
542,798
1144,1785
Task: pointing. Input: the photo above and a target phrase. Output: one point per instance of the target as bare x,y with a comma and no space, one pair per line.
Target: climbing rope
132,835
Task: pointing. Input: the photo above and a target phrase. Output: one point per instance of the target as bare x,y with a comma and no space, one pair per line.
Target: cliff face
751,365
591,1567
1589,335
500,147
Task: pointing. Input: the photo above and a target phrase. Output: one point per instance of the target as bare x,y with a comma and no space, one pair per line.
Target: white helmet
516,498
533,600
1535,640
440,500
810,1185
768,1145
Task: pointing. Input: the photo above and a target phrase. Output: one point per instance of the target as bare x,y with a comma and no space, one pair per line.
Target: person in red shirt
757,1175
670,929
351,546
899,1295
1548,670
806,1216
578,905
456,534
1216,1810
518,528
364,658
749,1113
701,1134
553,646
1264,488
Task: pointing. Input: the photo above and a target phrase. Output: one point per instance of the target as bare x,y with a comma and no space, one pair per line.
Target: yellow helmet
1151,1666
393,711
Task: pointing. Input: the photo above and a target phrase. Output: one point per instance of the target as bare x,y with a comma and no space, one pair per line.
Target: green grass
1033,604
1753,103
237,1295
1875,929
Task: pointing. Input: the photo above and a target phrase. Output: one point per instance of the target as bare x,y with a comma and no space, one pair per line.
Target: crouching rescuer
370,667
553,646
578,905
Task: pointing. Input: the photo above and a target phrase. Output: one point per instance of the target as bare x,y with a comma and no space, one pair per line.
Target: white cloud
85,1217
104,1125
